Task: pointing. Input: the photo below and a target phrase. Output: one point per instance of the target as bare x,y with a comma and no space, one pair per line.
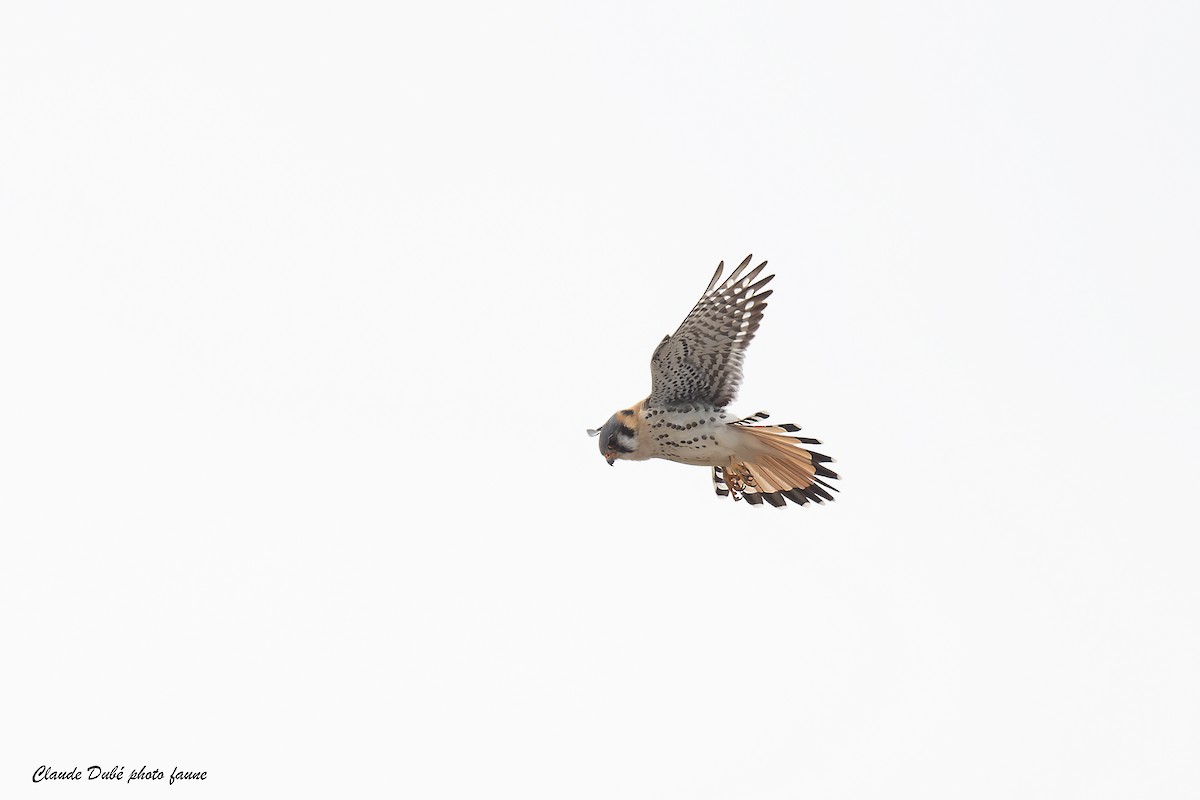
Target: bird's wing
702,361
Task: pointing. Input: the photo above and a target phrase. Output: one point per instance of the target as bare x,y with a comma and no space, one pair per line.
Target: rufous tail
773,466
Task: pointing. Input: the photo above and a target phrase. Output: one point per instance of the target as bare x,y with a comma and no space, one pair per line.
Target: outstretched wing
702,361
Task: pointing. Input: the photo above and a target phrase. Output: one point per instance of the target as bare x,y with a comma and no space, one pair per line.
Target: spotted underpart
694,435
696,373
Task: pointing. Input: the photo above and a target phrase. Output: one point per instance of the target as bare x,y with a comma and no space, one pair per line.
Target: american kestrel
695,374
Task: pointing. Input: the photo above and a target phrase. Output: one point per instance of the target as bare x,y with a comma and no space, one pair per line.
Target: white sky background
305,310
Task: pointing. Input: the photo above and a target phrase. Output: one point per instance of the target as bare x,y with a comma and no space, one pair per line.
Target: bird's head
618,437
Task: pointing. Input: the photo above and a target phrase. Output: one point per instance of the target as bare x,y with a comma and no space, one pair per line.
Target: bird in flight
696,373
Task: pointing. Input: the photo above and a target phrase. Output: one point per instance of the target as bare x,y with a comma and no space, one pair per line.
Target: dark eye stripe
625,430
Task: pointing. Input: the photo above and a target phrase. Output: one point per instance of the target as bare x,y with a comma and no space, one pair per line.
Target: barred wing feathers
701,363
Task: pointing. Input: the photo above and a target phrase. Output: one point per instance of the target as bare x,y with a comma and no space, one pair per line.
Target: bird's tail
771,465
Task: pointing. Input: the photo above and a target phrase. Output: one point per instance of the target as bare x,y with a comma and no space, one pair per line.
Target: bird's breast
699,436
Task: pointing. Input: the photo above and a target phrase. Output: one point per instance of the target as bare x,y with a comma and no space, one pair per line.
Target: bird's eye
612,443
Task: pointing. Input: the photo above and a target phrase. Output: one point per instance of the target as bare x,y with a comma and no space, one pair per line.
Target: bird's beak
611,457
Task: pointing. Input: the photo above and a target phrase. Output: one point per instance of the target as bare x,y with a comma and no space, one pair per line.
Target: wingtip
716,277
736,275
